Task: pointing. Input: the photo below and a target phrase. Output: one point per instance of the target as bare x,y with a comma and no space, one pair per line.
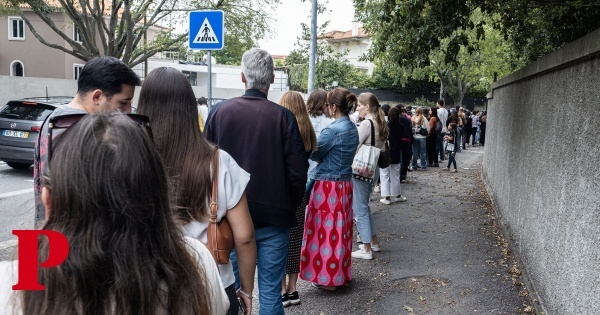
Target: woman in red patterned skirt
325,258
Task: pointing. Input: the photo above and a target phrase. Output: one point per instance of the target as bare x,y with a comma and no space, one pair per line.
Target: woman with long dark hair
106,191
168,99
390,176
431,139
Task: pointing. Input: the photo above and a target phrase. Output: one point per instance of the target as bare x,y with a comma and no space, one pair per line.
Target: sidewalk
441,254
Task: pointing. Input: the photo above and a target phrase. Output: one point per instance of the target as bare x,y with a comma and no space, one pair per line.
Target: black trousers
406,154
432,154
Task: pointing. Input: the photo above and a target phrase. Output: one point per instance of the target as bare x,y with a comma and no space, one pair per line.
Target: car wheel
18,166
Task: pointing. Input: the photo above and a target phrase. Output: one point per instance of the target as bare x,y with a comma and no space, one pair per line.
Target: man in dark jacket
264,139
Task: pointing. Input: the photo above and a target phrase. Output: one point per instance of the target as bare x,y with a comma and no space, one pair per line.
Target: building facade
356,42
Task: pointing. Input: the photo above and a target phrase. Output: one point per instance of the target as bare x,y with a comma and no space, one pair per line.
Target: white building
356,41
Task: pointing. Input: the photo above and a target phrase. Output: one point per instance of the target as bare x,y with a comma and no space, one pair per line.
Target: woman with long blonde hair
371,113
289,294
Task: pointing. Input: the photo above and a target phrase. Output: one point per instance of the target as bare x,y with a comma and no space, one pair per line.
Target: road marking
8,244
16,193
29,180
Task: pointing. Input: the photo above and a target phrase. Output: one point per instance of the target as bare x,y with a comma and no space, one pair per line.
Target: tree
407,31
471,68
232,52
117,28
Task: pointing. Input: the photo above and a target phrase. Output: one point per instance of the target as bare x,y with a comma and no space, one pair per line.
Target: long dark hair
393,116
316,103
168,99
127,255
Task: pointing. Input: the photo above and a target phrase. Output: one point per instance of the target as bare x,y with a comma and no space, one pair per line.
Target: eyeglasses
64,122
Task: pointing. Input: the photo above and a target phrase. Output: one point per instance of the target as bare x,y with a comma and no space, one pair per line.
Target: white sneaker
374,247
362,254
400,199
377,189
385,201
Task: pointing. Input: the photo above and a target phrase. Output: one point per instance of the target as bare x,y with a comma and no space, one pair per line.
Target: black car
20,124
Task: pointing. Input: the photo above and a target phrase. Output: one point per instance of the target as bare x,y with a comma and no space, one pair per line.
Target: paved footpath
442,253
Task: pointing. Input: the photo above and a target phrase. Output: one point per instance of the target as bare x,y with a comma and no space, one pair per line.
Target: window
17,69
76,35
16,28
77,71
192,77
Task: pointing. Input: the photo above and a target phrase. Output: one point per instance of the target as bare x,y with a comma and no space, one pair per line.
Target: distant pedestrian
264,139
475,127
442,114
390,176
370,110
451,139
289,293
406,138
202,112
483,127
168,99
432,138
327,241
419,144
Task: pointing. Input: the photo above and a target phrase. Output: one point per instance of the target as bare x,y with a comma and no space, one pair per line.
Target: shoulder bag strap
212,237
372,133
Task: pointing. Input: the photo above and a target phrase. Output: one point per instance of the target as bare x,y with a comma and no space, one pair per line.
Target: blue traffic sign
207,30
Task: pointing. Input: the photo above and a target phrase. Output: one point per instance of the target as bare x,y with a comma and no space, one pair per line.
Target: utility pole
313,48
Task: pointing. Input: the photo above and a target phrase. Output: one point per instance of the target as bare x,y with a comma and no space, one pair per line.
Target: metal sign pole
209,82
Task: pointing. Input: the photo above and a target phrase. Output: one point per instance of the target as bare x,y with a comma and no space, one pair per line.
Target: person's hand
245,302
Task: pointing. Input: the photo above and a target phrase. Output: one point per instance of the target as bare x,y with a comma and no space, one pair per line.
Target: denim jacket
337,145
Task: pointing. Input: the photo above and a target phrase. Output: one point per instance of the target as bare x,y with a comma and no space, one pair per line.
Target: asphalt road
16,206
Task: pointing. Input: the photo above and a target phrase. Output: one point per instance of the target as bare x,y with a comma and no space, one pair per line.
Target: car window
26,112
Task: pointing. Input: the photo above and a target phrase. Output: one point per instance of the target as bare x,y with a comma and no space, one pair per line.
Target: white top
319,123
442,114
203,110
232,184
10,303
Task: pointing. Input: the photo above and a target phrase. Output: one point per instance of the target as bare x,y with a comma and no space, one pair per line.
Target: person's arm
324,144
245,248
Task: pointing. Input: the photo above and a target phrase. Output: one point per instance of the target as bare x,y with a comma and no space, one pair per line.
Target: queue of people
133,193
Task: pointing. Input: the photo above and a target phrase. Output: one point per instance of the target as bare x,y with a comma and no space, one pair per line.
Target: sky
289,15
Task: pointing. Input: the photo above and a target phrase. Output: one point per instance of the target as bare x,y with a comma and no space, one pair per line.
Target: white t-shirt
232,184
220,301
203,110
443,116
319,123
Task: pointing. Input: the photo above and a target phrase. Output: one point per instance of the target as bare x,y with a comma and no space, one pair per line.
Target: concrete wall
541,168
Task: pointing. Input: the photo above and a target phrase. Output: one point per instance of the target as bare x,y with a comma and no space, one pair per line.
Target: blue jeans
271,253
451,159
419,148
361,210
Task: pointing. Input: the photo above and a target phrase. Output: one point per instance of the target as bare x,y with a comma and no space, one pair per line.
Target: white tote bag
365,163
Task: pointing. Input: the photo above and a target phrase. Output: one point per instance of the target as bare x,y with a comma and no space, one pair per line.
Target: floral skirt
327,241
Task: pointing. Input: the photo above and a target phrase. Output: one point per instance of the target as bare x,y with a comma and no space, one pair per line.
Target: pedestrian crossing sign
206,30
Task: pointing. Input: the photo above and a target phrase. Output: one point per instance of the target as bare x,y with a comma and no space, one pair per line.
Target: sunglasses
61,123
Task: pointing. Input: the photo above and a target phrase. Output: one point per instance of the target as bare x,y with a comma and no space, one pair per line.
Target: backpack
438,127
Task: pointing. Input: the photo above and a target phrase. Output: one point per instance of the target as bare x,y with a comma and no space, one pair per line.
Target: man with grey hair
264,139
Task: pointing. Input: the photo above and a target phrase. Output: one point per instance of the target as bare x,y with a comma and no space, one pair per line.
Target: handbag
365,160
384,160
450,147
220,235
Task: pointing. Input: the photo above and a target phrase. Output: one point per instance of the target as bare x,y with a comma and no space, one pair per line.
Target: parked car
20,124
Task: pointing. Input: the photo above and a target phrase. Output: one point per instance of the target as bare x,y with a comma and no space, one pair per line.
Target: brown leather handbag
220,235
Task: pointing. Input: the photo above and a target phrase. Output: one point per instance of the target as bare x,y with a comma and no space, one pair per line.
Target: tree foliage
405,32
117,27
